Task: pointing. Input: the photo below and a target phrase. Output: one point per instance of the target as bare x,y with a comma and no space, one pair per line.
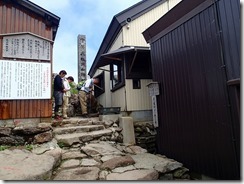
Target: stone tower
81,57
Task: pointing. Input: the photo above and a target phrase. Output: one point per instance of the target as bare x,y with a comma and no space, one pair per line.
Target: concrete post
126,123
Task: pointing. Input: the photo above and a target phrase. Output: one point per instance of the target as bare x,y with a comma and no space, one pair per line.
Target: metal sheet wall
16,19
195,125
230,22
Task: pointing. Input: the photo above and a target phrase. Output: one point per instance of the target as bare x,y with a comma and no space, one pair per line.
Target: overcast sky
86,17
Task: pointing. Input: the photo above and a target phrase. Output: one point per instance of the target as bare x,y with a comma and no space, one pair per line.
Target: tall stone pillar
81,58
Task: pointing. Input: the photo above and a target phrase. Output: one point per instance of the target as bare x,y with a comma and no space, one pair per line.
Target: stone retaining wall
145,135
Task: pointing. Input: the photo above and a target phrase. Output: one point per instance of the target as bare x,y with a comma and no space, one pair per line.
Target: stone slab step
77,129
69,139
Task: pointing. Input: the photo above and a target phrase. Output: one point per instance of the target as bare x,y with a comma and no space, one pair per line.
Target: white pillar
126,123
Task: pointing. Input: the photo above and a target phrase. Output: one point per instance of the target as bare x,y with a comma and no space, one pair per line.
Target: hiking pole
90,103
98,86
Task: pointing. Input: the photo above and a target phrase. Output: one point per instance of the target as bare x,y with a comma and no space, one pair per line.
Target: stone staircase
88,149
78,130
94,150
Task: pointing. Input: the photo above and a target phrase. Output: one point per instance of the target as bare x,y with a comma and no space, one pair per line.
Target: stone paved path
80,151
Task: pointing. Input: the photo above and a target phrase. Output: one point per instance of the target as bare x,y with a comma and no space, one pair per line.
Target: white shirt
66,87
87,86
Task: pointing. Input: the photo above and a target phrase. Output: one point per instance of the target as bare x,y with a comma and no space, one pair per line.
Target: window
100,87
116,76
136,83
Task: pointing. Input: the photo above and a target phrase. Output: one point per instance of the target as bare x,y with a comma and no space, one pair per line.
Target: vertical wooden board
1,17
10,108
3,28
47,109
32,25
38,26
38,108
12,20
42,108
22,108
1,48
4,109
24,23
43,29
31,108
13,109
17,15
18,107
26,108
50,107
34,107
28,26
21,21
8,18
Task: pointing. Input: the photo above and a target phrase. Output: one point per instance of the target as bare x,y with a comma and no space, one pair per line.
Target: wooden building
123,61
27,34
195,55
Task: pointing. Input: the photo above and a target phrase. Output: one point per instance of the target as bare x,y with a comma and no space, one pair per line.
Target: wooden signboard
24,80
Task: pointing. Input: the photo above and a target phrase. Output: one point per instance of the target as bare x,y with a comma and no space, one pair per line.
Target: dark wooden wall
14,18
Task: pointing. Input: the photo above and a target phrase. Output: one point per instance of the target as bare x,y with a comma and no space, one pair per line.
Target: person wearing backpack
85,90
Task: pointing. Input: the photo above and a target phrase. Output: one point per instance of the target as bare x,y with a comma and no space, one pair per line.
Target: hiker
58,92
85,90
67,95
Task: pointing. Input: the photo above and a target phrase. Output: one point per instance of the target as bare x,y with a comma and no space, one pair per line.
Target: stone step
77,129
69,139
75,121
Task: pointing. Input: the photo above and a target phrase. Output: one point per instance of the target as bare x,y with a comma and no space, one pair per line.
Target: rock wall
145,135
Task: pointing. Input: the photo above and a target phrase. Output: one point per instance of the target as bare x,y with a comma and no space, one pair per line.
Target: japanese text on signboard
25,80
26,47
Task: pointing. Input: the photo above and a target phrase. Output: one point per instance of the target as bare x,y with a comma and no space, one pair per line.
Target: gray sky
86,17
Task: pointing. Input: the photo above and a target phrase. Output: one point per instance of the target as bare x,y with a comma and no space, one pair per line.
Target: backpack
80,85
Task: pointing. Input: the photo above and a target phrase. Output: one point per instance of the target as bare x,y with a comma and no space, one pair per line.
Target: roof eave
177,13
132,12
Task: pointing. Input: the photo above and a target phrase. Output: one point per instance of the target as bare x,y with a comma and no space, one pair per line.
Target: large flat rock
23,165
149,174
80,173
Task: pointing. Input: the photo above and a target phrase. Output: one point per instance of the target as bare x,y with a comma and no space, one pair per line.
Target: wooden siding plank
43,108
12,20
24,24
31,109
18,109
14,109
38,108
34,108
4,15
4,109
22,108
1,17
8,20
26,108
